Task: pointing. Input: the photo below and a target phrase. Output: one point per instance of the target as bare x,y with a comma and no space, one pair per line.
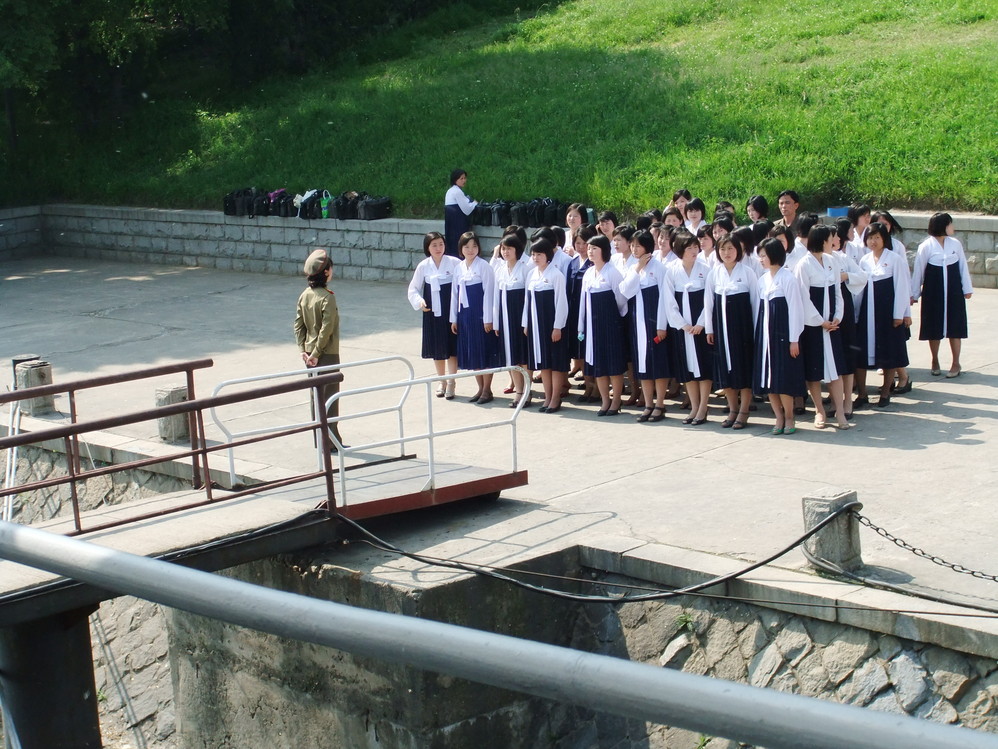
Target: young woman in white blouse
644,287
692,355
884,313
820,275
941,278
472,301
601,327
545,312
507,314
730,303
430,292
778,369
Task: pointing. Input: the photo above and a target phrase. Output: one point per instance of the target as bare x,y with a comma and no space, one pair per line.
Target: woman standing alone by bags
430,292
942,279
457,211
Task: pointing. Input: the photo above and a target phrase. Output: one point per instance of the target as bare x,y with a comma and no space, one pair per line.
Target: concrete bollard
31,374
837,542
172,428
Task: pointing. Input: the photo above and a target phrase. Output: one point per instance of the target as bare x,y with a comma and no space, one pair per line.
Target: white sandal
440,389
449,394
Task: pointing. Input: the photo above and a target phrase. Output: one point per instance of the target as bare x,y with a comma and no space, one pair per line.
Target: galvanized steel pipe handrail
431,434
310,372
113,379
664,696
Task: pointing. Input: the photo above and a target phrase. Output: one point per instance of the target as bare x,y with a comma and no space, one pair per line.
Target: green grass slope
612,102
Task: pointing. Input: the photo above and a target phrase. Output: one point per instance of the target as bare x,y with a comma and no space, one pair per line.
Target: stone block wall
383,250
20,232
793,653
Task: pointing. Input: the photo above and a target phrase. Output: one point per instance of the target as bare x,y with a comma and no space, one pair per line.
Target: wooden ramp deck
235,531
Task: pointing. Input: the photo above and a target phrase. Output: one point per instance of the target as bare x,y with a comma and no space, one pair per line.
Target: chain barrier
919,552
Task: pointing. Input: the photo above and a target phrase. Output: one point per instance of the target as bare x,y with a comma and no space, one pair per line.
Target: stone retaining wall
384,250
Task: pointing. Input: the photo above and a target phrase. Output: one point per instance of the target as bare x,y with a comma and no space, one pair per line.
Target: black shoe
906,388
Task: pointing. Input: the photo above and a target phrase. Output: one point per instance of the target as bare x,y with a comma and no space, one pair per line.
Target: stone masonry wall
384,250
38,464
20,232
791,653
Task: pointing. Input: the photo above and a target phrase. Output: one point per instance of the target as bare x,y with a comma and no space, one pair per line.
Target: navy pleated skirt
554,355
514,351
438,340
776,371
476,349
812,340
933,306
890,349
847,329
456,223
704,352
607,332
736,372
657,364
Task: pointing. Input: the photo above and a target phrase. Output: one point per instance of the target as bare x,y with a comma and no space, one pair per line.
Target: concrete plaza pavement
924,468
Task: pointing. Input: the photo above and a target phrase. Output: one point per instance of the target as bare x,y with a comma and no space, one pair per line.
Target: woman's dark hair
881,231
817,237
695,205
894,228
774,251
544,247
842,227
580,209
511,240
518,231
588,231
672,211
624,230
723,206
856,211
543,233
466,238
644,238
721,215
455,175
429,237
760,230
706,231
781,231
559,235
604,244
938,224
681,241
733,241
725,222
745,237
655,213
681,194
803,223
318,279
643,222
760,204
608,216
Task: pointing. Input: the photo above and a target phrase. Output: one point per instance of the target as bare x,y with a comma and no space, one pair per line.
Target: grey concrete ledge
798,593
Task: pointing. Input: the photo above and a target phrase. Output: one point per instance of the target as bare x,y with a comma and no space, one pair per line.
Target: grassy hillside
613,102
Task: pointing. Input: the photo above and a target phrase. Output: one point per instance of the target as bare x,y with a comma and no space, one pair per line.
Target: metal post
47,680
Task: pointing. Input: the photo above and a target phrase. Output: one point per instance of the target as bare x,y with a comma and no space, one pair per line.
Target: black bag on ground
309,208
372,208
518,214
535,213
239,202
345,205
261,204
481,215
284,206
501,214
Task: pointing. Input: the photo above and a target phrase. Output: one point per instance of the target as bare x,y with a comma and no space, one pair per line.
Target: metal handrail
663,696
431,434
310,372
198,452
72,387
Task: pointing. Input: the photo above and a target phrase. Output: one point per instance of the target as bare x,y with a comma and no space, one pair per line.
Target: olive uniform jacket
317,323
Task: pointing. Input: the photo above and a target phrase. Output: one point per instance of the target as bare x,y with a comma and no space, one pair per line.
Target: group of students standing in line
775,309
